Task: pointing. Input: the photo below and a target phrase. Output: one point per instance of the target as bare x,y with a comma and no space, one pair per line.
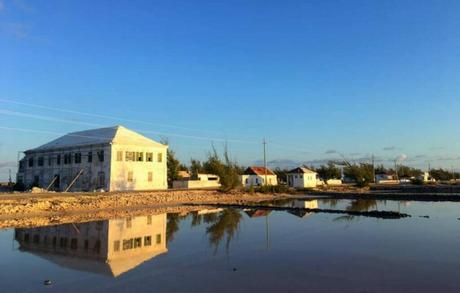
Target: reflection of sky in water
276,252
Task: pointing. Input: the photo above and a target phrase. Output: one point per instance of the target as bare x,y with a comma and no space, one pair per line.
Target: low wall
190,184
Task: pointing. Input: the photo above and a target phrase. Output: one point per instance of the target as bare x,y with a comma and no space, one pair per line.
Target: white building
386,178
255,176
301,177
112,159
200,181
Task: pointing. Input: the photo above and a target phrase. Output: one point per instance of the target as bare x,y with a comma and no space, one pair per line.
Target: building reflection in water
301,205
110,247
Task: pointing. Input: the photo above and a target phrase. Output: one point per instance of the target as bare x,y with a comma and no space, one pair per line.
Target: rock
47,282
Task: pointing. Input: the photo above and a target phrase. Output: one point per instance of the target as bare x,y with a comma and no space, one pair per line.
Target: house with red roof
258,176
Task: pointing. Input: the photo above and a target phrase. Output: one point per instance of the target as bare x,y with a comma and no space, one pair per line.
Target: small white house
199,181
255,176
386,178
301,177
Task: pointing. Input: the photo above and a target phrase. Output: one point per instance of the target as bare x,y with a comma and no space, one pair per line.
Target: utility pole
10,182
265,160
373,168
396,169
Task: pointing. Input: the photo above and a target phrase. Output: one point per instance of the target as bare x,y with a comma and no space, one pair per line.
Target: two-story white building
113,158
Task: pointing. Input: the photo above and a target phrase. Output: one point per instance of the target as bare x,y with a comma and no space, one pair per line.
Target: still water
229,250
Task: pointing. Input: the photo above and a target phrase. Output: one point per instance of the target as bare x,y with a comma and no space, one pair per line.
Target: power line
95,115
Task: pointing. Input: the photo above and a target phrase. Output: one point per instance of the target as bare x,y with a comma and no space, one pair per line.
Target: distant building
386,178
199,181
426,177
302,177
109,247
255,176
112,159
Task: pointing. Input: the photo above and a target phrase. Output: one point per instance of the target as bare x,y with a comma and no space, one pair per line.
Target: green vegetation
444,175
227,170
329,171
362,173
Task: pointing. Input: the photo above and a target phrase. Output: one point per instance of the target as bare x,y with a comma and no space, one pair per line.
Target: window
40,161
73,243
127,244
31,162
150,176
139,156
100,155
54,241
86,244
160,157
130,176
137,242
119,156
149,220
97,246
247,180
50,158
116,245
129,222
90,157
63,242
36,180
26,238
129,156
67,159
149,157
147,240
22,164
158,238
58,160
36,239
77,158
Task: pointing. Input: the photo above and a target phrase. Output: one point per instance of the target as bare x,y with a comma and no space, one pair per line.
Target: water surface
229,250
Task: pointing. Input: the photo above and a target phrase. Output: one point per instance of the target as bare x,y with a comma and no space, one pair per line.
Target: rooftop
109,135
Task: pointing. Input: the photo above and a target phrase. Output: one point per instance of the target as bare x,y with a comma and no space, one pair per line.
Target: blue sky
313,77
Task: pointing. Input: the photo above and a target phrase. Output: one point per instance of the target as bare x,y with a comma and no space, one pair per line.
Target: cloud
420,156
401,158
2,5
328,152
8,164
436,148
390,148
16,29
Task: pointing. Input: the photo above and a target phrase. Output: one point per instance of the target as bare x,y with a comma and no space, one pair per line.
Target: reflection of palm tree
172,226
360,205
225,224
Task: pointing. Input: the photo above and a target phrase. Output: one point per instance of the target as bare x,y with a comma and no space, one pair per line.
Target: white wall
67,172
140,169
258,180
301,180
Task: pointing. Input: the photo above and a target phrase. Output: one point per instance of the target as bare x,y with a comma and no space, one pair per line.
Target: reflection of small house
386,178
253,213
198,181
303,206
255,176
110,247
301,177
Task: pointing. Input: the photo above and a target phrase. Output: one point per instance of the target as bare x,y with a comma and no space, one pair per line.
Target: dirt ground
31,209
